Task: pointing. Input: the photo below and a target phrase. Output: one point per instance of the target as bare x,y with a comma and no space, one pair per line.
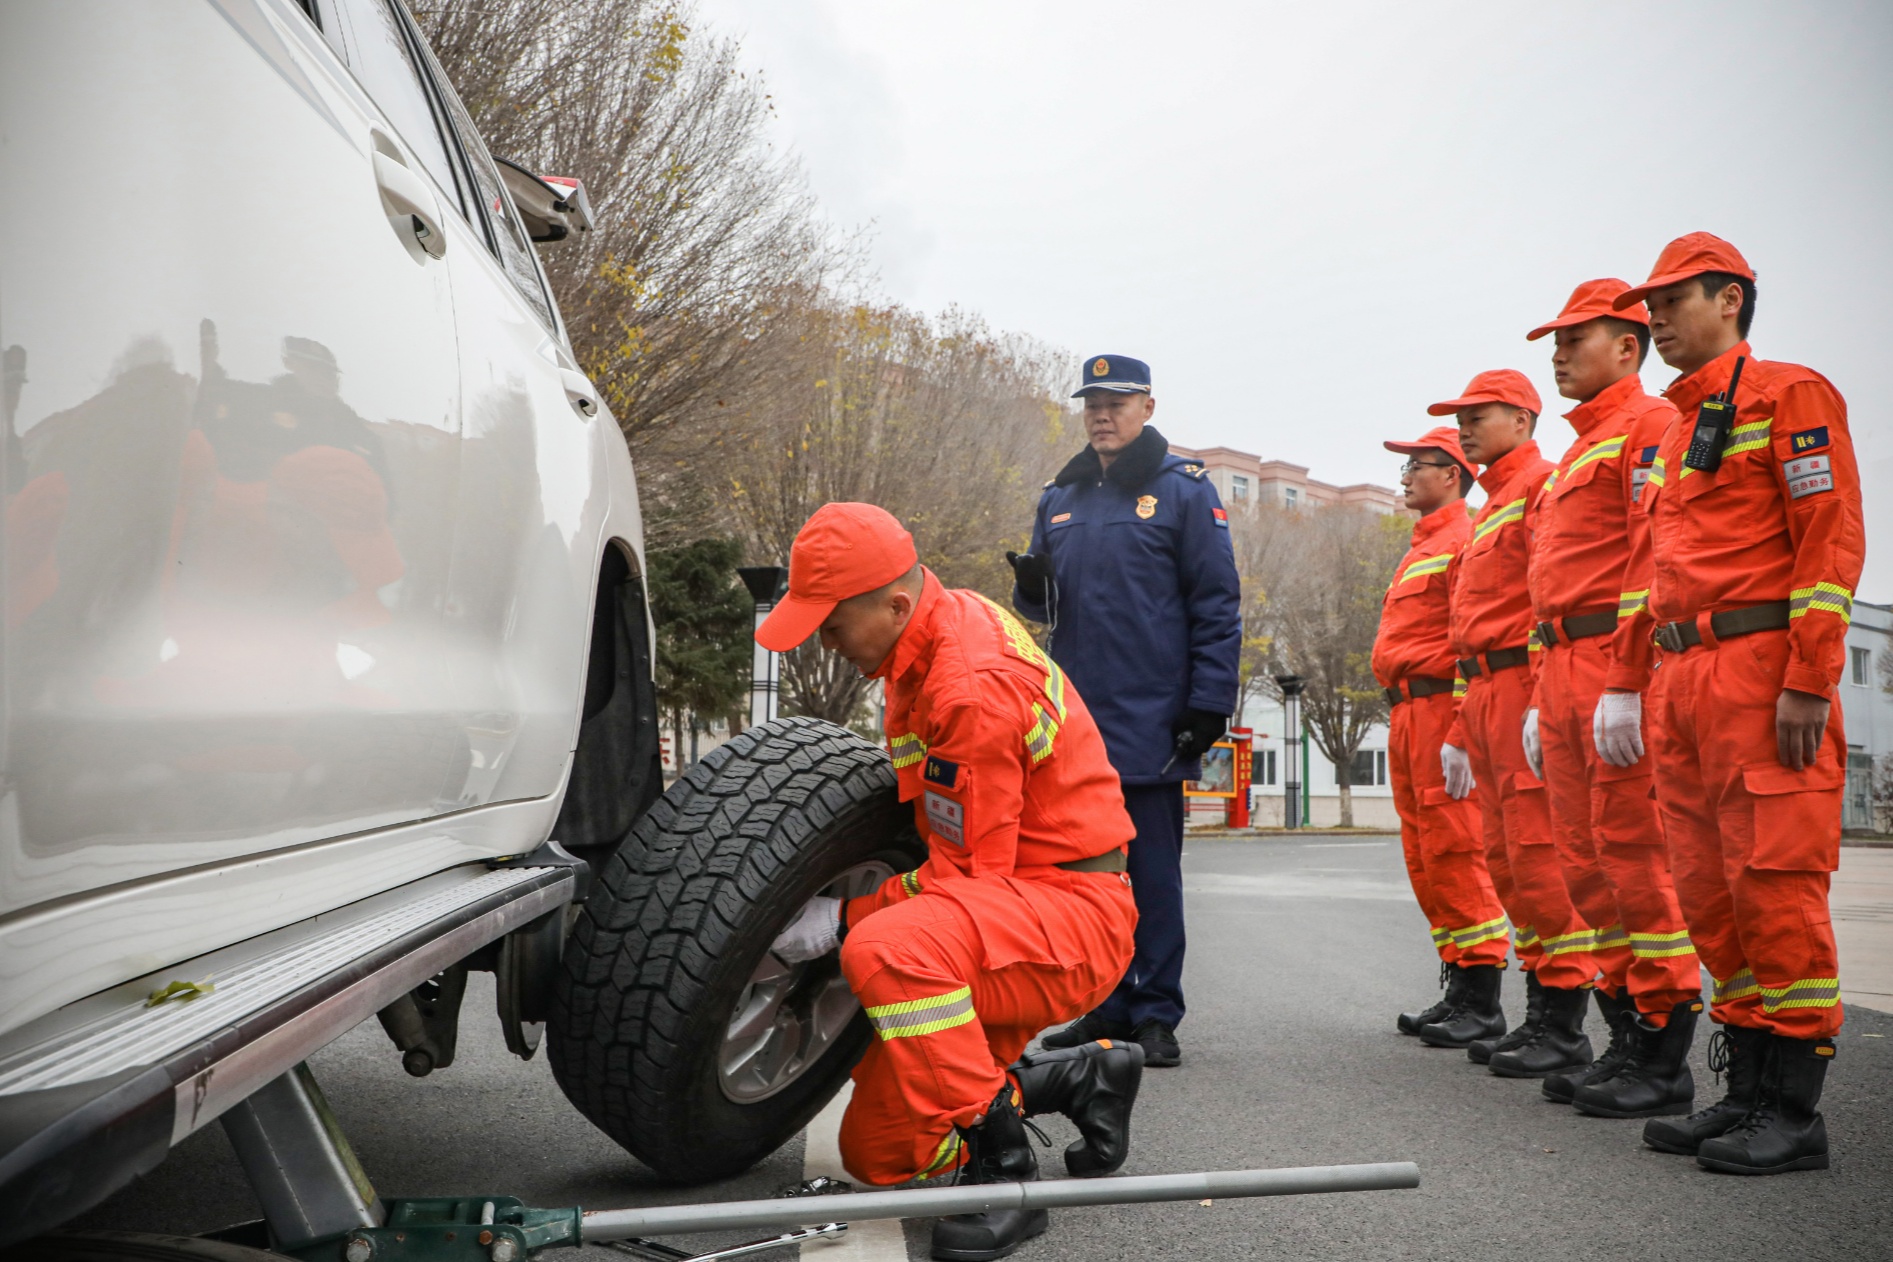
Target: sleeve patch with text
943,773
1222,517
1809,475
946,817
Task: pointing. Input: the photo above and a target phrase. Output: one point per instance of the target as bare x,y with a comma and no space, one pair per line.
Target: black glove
1196,731
1033,573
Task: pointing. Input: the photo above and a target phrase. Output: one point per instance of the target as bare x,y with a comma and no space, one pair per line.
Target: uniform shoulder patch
942,772
1808,439
1194,470
1647,455
1221,515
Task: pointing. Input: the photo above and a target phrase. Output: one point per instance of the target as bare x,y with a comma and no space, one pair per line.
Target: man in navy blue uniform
1132,569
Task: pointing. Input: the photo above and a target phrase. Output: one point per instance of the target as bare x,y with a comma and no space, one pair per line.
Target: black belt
1677,636
1497,659
1109,861
1580,626
1417,686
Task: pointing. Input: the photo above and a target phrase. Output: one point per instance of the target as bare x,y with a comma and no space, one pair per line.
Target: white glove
1617,728
1458,769
1534,753
815,931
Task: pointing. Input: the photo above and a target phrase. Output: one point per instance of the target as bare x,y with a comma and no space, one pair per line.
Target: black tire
133,1246
681,917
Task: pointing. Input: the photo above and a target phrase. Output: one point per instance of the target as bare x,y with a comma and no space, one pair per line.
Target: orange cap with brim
843,550
1499,385
1684,257
1442,438
1592,300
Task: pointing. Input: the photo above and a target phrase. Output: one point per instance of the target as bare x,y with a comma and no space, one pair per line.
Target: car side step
94,1094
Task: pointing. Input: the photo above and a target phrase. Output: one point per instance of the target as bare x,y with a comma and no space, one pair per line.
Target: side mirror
552,207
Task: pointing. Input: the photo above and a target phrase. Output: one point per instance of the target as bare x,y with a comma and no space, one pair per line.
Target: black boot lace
1761,1113
1445,971
1721,1051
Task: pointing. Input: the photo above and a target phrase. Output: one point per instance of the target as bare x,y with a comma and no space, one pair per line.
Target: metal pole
766,584
665,1220
1294,773
292,1150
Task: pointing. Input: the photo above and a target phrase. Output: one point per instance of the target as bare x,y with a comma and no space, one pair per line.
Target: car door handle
410,204
579,393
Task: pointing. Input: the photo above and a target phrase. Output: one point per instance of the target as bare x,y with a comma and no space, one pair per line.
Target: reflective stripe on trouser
1519,846
1441,839
1752,843
947,1026
1610,841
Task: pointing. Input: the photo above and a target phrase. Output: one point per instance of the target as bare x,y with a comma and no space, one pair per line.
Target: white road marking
877,1240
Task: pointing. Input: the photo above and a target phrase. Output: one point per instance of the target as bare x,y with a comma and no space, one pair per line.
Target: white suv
324,614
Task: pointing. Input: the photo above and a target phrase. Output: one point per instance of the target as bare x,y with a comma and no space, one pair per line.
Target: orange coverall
961,961
1441,838
1752,842
1610,841
1491,612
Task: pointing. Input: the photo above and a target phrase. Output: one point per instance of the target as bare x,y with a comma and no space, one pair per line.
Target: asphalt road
1301,954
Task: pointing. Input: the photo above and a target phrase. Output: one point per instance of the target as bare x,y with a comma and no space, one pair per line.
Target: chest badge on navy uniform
941,772
1146,506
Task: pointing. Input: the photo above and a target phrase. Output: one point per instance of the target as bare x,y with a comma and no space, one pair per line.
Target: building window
1862,660
1290,496
1262,771
1369,768
1857,806
1238,487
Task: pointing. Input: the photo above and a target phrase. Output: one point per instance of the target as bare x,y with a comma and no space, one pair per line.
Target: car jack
319,1206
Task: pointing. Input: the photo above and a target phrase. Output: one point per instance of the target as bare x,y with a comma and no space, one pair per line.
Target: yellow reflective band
1742,985
1441,935
1566,943
945,1157
1610,938
1425,566
1661,946
1038,741
1748,437
910,881
1522,936
1809,992
907,750
1656,473
1055,687
1553,479
1474,935
1603,451
1509,513
1459,686
1823,598
914,1017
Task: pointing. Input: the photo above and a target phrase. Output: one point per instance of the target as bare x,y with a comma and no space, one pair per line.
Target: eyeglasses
1412,465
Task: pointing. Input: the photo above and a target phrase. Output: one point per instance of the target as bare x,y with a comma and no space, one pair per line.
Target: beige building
1245,480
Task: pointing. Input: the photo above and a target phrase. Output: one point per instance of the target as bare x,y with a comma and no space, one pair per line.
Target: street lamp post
766,583
1291,686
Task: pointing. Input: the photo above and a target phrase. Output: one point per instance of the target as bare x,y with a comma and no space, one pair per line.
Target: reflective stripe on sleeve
1822,598
910,882
913,1017
907,750
1742,985
1523,936
946,1157
1610,938
1567,943
1038,741
1473,935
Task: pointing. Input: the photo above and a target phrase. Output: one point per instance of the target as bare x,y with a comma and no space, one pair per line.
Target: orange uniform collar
916,641
1501,471
1692,388
1437,520
1586,416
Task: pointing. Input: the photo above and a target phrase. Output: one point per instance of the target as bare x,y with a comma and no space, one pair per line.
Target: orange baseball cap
1684,257
843,550
1443,438
1592,299
1499,385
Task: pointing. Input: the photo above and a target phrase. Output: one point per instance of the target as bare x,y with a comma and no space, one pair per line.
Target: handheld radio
1714,419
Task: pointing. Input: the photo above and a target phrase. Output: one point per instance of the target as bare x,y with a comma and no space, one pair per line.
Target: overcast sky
1315,219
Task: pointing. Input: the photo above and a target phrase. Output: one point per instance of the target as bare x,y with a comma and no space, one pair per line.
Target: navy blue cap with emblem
1120,374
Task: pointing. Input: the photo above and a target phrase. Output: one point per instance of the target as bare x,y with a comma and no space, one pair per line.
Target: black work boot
1618,1013
1449,977
1159,1041
996,1152
1560,1044
1095,1086
1738,1052
1477,1015
1655,1080
1784,1131
1480,1051
1086,1029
